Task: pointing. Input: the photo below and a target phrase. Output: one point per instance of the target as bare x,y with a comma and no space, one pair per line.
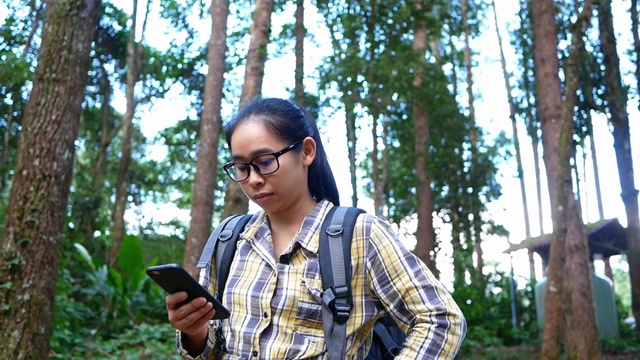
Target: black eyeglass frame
250,165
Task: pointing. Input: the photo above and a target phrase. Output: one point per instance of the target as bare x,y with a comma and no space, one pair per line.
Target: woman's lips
261,198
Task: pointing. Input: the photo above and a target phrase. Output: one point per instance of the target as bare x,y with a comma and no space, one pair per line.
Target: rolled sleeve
207,353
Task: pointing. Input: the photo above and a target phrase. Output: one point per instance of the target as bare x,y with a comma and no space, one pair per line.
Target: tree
636,42
235,201
571,300
210,126
134,59
38,200
516,141
425,242
616,103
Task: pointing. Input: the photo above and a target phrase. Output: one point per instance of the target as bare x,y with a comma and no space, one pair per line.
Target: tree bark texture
550,110
122,182
235,200
210,125
39,196
616,100
569,255
425,235
350,123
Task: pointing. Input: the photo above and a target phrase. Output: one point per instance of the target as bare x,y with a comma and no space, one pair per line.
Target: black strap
390,347
334,255
222,242
226,249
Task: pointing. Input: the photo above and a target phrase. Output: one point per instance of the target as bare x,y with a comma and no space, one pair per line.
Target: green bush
101,309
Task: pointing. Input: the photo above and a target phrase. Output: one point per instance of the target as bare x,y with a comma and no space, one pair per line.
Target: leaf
130,259
84,255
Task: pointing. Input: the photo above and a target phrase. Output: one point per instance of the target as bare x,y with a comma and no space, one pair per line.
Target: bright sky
491,111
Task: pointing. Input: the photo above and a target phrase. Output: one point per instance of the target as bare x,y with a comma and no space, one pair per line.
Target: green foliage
102,309
489,315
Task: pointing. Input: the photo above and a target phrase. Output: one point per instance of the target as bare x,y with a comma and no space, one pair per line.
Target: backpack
335,271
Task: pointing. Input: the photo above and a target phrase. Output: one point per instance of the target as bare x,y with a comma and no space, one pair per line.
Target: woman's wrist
195,344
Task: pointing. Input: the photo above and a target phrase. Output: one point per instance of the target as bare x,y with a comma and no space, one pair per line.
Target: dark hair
290,123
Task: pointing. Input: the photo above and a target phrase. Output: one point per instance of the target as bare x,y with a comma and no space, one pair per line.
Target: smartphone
173,278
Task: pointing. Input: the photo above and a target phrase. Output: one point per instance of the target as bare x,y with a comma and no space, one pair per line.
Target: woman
274,287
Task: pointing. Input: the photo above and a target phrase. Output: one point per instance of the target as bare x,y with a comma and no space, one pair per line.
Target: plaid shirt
276,310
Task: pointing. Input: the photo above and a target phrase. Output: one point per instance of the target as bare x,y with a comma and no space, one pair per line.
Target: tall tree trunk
107,134
473,138
425,235
122,182
235,202
569,251
516,142
636,42
350,122
36,212
616,100
374,108
596,172
210,126
300,33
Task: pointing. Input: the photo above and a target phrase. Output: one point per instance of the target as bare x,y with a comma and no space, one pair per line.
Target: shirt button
265,315
254,353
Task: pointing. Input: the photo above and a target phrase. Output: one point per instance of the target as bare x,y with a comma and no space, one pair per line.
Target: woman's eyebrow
253,154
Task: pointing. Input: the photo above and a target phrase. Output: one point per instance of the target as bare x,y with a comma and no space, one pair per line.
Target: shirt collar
308,233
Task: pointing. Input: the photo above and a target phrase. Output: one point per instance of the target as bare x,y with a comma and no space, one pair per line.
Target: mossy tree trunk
38,200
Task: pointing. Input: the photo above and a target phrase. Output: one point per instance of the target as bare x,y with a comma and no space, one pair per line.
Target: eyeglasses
264,164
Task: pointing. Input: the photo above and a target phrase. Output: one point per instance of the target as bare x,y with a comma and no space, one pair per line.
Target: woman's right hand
192,318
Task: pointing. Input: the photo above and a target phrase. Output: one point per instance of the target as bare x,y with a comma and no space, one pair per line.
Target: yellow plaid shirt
276,310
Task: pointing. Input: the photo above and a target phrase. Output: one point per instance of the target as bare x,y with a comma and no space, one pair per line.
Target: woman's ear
308,150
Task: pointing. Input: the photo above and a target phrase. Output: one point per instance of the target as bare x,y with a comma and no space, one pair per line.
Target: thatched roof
606,237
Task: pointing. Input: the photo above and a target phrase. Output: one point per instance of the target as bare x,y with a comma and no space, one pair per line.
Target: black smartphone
173,278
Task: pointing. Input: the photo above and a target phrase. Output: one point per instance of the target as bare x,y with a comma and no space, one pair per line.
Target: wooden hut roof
606,237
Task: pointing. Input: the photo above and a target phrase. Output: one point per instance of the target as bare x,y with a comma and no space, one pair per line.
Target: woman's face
287,185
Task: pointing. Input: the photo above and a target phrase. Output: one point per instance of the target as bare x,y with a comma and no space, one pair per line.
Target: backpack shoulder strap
222,242
335,270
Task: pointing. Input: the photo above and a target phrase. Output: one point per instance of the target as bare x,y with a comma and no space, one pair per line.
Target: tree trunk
476,240
235,202
516,140
122,182
596,172
569,251
616,100
636,42
210,125
350,121
38,200
582,339
300,33
88,215
425,235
